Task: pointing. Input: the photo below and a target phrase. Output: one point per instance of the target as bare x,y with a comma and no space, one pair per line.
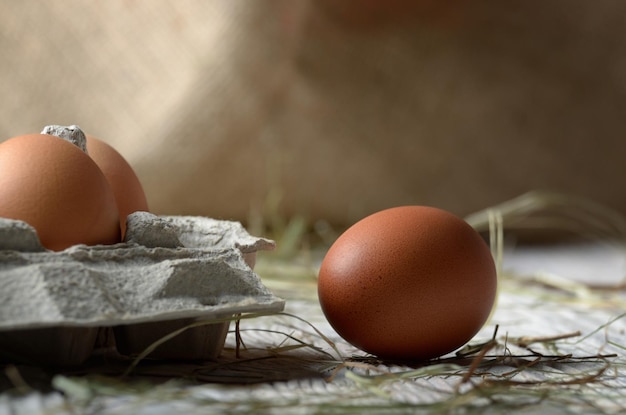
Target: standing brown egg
408,283
55,187
127,188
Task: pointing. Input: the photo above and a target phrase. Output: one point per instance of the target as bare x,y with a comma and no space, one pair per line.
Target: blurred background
329,110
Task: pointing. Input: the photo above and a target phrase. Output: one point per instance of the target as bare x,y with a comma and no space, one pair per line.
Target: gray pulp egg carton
56,308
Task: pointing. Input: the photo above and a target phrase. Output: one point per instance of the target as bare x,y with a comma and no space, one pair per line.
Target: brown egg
408,283
129,193
55,187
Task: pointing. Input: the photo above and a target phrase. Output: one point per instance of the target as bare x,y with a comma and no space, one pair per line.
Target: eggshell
128,191
56,188
408,283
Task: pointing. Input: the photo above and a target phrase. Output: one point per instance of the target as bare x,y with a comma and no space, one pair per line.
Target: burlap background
332,109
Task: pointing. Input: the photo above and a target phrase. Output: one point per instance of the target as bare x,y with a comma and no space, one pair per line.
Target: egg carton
57,308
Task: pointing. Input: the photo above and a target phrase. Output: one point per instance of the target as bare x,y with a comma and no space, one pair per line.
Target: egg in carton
169,273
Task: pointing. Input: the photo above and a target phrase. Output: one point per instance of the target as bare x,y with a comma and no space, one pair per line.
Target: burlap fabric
330,109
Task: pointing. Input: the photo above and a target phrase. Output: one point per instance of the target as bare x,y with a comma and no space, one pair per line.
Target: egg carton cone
170,272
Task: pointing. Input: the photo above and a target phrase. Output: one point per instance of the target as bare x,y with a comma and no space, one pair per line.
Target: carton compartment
60,346
197,343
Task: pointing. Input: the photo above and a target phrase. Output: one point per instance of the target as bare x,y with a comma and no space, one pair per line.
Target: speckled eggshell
408,283
52,185
128,191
